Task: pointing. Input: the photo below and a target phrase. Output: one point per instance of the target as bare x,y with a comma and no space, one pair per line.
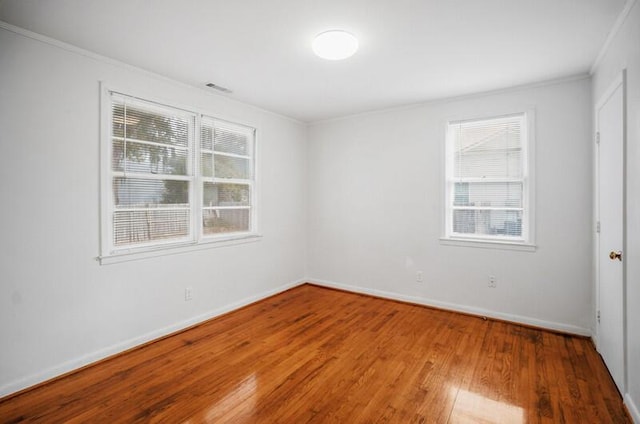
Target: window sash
212,128
159,222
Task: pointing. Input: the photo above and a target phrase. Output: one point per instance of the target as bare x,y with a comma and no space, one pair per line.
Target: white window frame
527,241
196,240
251,182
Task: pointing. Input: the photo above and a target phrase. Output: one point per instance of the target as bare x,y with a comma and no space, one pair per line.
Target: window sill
488,244
173,249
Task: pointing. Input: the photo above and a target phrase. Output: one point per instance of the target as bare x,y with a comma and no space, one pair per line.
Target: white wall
359,208
376,205
624,52
59,308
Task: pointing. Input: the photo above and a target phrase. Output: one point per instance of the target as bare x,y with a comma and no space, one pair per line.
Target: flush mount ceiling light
335,45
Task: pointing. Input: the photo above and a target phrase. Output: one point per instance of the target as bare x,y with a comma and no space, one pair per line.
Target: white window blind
152,174
226,164
155,195
487,186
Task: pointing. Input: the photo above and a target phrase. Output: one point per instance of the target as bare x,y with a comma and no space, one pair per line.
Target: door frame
619,80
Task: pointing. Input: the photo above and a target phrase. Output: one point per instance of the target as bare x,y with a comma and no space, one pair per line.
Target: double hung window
226,165
487,182
174,177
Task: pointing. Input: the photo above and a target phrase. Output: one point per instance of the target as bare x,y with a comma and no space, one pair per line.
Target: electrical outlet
419,276
188,293
492,281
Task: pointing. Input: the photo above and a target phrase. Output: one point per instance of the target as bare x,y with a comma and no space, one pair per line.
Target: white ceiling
410,50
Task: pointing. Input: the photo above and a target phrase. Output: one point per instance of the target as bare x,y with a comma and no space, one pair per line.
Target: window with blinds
174,177
226,165
487,179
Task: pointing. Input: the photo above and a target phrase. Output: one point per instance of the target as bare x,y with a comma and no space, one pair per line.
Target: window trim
197,239
527,242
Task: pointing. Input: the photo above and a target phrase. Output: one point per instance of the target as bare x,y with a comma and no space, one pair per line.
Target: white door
610,131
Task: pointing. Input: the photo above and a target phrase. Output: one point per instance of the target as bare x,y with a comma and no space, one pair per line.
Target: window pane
225,221
231,167
229,141
488,148
488,222
206,136
117,155
139,192
206,164
133,227
155,125
148,159
152,126
498,195
226,195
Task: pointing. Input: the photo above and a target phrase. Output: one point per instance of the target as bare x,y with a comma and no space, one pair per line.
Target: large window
174,177
487,183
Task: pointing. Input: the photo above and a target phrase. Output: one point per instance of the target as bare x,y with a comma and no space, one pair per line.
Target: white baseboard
633,408
84,360
565,328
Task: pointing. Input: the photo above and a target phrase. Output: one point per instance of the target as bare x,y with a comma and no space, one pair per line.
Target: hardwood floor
318,355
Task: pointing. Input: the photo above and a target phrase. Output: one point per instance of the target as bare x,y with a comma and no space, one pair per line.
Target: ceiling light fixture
335,45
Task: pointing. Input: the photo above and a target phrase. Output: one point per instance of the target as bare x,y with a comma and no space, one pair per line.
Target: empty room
293,211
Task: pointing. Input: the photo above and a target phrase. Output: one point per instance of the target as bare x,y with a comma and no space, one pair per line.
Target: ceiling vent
219,88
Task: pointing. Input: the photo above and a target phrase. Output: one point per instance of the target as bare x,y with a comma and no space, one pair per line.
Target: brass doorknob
615,255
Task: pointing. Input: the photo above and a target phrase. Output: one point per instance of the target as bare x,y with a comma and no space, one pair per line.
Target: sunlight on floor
474,408
242,397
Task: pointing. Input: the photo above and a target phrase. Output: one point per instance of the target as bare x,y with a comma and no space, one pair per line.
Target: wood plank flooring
318,355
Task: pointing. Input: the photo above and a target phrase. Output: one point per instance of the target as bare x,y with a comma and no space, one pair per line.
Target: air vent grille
219,88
